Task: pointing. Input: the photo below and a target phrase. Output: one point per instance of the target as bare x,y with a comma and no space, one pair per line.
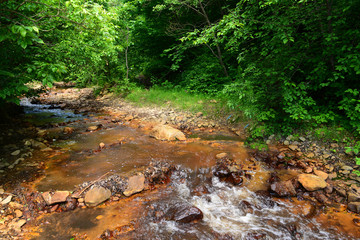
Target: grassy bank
178,99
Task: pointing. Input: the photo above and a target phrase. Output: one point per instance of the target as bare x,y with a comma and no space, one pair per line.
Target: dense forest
281,63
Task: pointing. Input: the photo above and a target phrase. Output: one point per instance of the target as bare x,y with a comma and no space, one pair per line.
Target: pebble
6,200
15,153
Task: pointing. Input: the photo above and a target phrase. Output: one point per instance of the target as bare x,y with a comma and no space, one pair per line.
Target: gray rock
354,207
353,197
347,168
15,153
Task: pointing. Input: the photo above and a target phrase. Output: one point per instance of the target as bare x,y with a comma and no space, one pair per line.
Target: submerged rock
221,155
311,182
167,133
354,207
97,195
135,184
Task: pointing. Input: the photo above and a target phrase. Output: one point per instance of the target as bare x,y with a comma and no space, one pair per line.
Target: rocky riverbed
314,179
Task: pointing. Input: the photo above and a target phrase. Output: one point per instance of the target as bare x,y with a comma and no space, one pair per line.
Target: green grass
179,99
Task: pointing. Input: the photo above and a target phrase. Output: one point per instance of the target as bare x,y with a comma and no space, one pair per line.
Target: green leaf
36,29
22,31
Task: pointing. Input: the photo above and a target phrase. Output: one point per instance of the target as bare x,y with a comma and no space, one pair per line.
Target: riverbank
296,170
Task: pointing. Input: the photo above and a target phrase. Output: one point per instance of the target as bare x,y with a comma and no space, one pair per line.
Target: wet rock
234,179
37,144
221,155
356,221
167,133
200,190
70,205
321,197
284,188
184,213
101,145
57,197
354,207
135,184
308,209
246,207
93,128
256,236
273,178
68,130
311,182
97,195
321,174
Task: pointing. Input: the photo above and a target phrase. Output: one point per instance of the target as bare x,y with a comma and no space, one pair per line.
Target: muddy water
229,212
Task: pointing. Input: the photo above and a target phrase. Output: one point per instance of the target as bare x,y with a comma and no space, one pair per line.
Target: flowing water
230,212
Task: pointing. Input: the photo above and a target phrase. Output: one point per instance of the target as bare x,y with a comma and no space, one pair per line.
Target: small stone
333,175
286,142
6,200
199,114
18,213
302,139
321,174
57,197
284,188
346,168
17,225
15,153
93,128
1,190
293,147
221,155
308,170
101,145
310,155
27,143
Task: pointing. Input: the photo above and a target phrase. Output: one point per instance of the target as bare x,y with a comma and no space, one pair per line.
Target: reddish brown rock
311,182
57,197
135,184
167,133
284,188
184,213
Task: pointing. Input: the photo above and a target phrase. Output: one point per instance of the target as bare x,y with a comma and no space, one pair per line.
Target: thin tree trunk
218,49
126,54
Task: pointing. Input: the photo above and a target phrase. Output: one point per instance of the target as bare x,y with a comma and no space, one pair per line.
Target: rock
308,209
101,145
97,195
199,114
37,144
286,142
1,190
221,155
293,147
308,170
167,133
68,130
284,188
347,168
235,179
353,197
135,184
321,174
354,207
246,207
15,205
184,213
15,153
6,200
18,213
17,225
200,190
311,182
333,175
310,155
93,128
302,139
57,197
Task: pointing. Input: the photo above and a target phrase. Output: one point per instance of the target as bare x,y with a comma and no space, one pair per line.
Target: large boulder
135,184
167,133
312,182
97,195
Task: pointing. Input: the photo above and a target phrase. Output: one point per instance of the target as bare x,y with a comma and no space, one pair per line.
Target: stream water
230,212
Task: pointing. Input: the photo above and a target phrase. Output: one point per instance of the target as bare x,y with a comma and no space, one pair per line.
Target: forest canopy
283,63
